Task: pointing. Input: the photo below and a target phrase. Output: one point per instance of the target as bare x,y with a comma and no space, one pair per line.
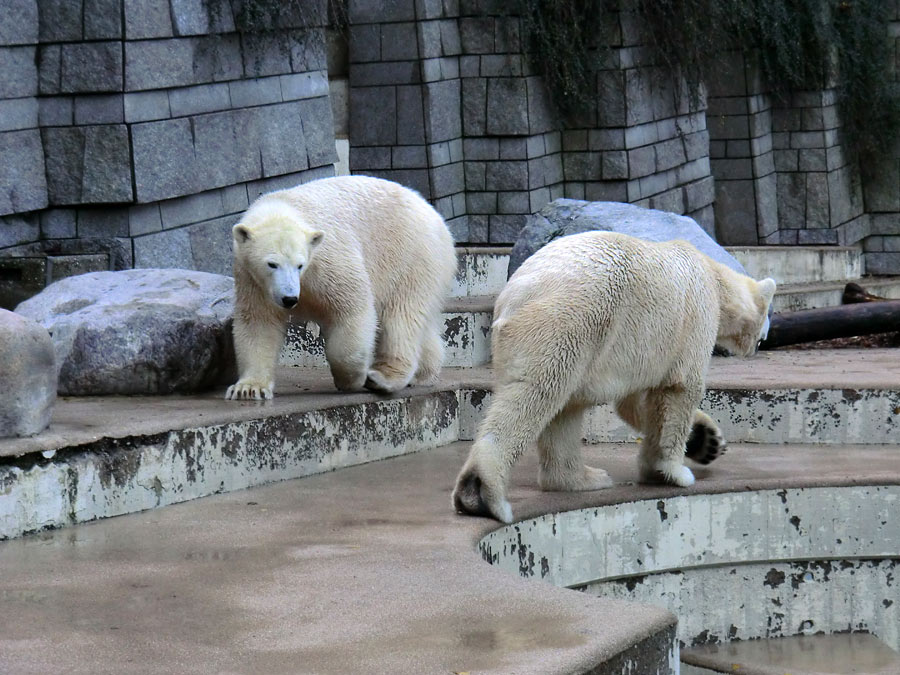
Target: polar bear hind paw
249,391
706,442
673,473
471,496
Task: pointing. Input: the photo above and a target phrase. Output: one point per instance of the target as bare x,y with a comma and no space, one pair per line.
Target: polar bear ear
767,289
315,238
240,233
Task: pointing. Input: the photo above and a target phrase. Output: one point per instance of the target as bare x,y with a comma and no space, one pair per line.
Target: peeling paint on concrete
782,576
116,477
820,416
480,273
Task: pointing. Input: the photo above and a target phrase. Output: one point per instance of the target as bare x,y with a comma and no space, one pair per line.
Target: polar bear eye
273,266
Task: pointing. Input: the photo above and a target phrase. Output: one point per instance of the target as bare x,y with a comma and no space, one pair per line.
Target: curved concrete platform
363,570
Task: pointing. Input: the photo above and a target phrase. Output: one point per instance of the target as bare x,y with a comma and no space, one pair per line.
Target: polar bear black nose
289,301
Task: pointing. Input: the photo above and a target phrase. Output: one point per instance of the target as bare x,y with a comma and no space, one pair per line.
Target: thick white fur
603,317
369,260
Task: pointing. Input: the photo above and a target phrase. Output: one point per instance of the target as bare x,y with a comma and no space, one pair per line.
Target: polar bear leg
349,343
258,337
431,359
559,449
397,351
667,419
519,412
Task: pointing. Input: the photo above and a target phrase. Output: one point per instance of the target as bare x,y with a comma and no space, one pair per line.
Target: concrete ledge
106,456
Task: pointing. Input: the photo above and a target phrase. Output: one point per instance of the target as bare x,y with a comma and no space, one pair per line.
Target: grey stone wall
134,132
882,189
495,149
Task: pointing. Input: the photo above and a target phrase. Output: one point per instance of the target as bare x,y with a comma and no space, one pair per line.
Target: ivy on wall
799,44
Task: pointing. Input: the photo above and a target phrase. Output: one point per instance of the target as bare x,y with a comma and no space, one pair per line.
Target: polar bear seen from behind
601,317
368,260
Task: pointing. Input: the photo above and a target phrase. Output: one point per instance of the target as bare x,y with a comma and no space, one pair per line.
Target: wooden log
828,323
854,293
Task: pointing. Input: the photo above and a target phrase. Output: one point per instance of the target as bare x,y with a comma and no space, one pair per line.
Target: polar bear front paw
249,390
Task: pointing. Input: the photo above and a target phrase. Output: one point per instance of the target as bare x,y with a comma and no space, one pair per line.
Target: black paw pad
703,445
467,496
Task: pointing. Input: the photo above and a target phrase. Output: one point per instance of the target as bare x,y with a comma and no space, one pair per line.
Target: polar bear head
275,245
743,310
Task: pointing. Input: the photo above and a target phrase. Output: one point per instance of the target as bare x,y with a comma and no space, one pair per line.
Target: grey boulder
146,331
572,216
27,376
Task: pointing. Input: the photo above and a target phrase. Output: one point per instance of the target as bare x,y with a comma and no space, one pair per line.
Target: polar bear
604,317
368,260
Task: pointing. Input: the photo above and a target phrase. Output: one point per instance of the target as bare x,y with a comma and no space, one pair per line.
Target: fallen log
828,323
854,293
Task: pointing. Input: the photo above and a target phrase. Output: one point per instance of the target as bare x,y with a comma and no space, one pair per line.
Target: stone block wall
137,131
495,150
882,187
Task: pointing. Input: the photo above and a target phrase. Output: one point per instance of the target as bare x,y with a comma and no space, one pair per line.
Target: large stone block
18,113
736,212
211,245
202,98
368,127
91,67
399,42
167,249
365,43
102,19
88,164
28,376
507,106
282,138
49,66
442,111
19,22
164,160
23,185
791,200
380,11
266,54
60,20
147,19
19,72
318,130
138,331
410,115
474,106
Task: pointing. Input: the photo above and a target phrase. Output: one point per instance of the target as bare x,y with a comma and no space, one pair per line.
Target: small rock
27,376
572,216
145,331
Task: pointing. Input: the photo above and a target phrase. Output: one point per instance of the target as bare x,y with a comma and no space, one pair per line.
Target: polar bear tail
706,442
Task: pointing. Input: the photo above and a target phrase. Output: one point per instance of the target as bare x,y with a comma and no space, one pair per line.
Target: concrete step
467,336
481,271
859,653
793,297
106,456
800,264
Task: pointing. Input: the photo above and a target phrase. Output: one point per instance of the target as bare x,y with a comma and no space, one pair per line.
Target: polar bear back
374,225
632,313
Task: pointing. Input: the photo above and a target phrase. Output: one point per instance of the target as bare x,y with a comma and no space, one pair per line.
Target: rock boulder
146,331
27,376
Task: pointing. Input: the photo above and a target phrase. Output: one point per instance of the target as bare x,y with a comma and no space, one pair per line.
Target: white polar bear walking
603,317
370,261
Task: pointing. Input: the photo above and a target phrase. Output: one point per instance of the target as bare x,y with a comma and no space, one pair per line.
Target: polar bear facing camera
601,317
368,260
